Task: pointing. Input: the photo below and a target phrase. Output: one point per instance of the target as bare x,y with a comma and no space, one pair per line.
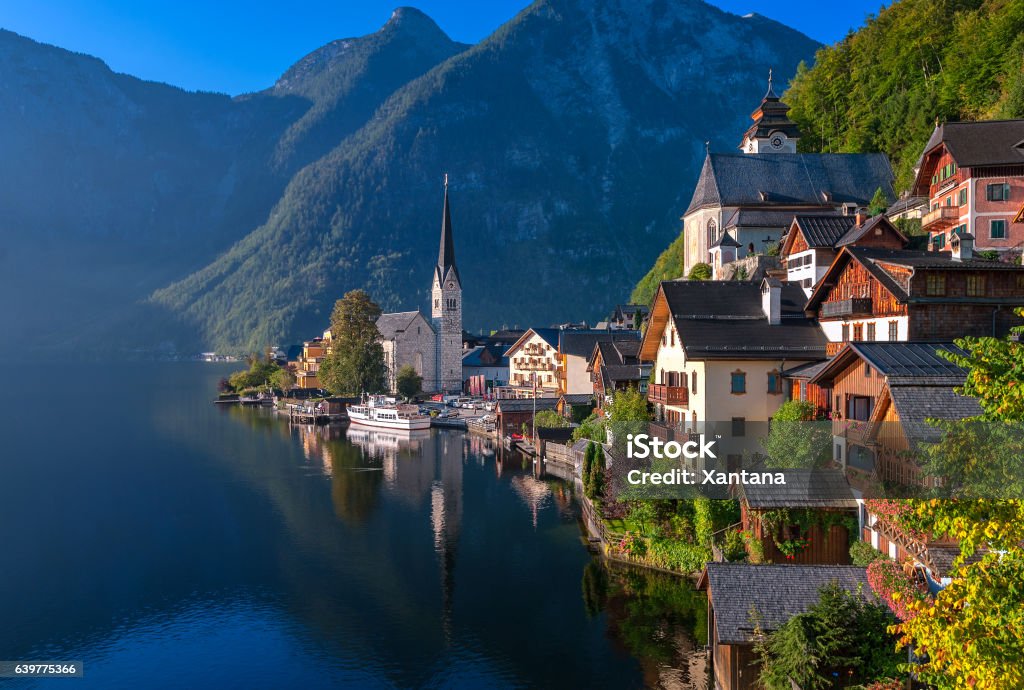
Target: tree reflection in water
660,619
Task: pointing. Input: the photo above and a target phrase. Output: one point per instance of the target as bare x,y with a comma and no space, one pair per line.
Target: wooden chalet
823,491
512,414
746,599
882,396
615,366
871,294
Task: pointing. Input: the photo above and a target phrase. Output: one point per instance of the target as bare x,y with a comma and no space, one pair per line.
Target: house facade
812,242
718,349
614,366
871,294
307,366
972,174
532,365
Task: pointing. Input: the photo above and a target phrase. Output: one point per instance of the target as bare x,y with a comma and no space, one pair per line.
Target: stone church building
744,202
433,348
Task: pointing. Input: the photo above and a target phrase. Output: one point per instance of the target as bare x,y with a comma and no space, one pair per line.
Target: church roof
771,116
791,179
394,323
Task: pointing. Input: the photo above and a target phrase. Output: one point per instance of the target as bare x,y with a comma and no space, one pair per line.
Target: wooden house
746,601
871,294
512,414
882,396
614,366
775,515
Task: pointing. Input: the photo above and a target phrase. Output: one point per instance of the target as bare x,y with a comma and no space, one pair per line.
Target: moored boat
381,412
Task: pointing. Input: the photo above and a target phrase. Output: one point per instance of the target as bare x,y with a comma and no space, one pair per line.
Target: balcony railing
536,366
668,395
847,307
940,218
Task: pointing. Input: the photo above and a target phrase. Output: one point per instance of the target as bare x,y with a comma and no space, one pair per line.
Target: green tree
588,465
797,438
879,203
355,364
629,405
549,419
408,383
841,633
260,373
283,379
699,271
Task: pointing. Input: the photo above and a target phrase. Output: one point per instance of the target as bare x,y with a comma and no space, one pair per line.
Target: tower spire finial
769,78
446,181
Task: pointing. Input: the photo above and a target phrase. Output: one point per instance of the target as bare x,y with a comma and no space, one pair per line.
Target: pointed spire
771,92
446,254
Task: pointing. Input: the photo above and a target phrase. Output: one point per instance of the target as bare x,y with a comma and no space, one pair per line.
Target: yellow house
307,365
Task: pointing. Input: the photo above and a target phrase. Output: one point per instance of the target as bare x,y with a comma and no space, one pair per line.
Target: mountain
572,136
878,91
112,187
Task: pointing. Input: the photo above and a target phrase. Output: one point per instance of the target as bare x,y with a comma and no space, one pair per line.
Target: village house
575,349
628,317
871,294
307,365
745,600
812,242
767,514
532,361
486,366
883,394
614,366
752,196
719,348
973,176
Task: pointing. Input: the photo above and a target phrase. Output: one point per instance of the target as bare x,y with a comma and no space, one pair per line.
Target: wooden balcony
859,306
940,218
668,395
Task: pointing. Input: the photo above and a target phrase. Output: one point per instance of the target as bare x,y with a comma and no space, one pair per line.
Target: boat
381,412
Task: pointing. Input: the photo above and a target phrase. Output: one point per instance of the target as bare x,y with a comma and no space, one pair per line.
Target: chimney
860,217
962,246
771,300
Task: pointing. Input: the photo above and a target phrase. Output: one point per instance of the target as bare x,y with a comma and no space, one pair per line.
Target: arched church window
713,231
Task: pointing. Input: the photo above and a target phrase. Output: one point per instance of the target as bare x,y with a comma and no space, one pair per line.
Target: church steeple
446,255
772,131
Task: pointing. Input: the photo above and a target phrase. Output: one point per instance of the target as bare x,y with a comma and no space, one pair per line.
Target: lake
166,542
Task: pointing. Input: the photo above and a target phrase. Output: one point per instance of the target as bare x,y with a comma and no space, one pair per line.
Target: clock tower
446,308
772,131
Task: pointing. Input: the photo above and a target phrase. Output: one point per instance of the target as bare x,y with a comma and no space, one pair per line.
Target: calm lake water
169,543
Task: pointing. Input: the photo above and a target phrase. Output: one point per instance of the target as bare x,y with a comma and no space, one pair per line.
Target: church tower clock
446,308
772,131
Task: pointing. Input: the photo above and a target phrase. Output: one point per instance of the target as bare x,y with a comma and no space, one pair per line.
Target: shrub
864,554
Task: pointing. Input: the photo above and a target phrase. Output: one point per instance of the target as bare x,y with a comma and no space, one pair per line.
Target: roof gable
392,324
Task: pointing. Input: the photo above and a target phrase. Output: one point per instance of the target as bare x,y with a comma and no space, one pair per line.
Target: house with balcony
614,366
718,350
812,242
533,365
883,396
973,176
872,294
307,365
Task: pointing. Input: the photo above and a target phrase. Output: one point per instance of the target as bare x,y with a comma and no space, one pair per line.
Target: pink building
973,175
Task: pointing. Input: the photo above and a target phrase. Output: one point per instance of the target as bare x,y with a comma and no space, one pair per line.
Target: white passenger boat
381,412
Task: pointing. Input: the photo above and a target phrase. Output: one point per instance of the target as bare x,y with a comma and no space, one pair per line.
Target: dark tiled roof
391,324
917,404
824,231
906,204
495,356
815,179
805,371
526,404
774,593
858,231
617,351
577,398
914,361
581,343
554,433
720,319
758,218
725,240
803,489
993,142
623,373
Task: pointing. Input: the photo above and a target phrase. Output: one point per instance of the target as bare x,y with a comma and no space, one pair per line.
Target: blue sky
235,47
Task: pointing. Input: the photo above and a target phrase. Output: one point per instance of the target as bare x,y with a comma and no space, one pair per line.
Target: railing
847,307
940,217
668,395
536,366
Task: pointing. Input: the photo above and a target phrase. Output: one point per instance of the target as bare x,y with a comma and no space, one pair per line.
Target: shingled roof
800,179
974,144
723,319
821,232
394,323
581,343
804,488
771,593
